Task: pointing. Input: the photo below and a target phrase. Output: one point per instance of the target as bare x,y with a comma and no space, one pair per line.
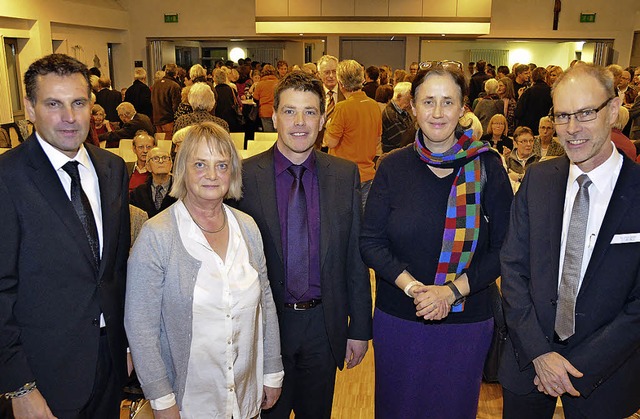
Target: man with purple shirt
307,206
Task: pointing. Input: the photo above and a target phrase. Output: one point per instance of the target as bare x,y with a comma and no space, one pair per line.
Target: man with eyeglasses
153,195
571,267
138,173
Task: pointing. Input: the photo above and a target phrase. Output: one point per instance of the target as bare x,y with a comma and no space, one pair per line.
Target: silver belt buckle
295,307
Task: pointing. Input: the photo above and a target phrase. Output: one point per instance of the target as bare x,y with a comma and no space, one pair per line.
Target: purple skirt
428,371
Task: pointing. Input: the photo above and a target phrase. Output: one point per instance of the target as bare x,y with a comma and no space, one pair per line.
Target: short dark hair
373,72
503,69
539,74
59,64
521,69
302,82
480,65
384,93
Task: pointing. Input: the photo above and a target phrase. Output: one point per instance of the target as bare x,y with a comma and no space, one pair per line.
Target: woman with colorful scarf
432,230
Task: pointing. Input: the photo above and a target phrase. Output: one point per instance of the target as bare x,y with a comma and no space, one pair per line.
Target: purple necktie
297,236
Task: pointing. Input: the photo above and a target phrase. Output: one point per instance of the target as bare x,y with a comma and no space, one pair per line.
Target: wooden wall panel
439,8
305,8
405,7
372,7
338,8
271,8
475,8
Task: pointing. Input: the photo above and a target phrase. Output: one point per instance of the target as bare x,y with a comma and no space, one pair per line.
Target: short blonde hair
498,118
201,97
218,141
623,118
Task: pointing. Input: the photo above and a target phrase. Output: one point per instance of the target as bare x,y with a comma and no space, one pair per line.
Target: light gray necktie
565,312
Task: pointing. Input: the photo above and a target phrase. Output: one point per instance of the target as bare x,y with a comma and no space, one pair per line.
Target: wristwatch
459,298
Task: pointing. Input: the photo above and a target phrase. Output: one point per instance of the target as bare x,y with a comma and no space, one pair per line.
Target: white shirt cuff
163,402
274,379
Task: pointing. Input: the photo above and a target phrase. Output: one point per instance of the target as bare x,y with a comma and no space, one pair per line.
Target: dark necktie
158,198
330,105
568,291
83,209
297,236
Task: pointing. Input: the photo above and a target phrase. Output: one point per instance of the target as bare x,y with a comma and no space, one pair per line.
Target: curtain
497,57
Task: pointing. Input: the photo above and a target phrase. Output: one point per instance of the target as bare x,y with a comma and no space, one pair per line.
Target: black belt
304,305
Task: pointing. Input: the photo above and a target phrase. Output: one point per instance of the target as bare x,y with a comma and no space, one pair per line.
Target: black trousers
106,395
309,367
537,405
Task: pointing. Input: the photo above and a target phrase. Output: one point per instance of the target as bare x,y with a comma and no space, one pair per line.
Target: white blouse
225,370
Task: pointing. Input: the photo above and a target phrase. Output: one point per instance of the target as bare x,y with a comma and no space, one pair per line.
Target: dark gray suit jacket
50,295
606,345
345,286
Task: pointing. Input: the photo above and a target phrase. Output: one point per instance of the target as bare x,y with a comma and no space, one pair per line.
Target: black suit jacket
50,294
128,130
139,95
345,286
606,345
141,198
109,100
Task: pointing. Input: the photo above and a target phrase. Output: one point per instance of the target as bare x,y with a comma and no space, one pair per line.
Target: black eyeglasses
426,65
584,115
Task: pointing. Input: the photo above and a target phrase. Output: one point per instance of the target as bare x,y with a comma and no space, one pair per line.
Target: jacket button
95,322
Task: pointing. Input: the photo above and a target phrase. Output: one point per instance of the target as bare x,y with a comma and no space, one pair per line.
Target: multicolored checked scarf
462,223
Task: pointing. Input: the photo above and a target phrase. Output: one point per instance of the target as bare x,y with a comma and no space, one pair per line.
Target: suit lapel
265,183
109,202
327,189
556,190
48,183
625,189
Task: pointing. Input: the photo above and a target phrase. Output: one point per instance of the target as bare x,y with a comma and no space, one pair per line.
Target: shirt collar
282,163
398,108
334,90
59,159
601,175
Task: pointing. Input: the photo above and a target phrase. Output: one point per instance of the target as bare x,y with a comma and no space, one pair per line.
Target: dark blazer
606,345
534,103
128,130
141,198
139,95
345,286
109,100
50,294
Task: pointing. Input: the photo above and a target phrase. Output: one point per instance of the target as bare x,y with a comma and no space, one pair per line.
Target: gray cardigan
158,307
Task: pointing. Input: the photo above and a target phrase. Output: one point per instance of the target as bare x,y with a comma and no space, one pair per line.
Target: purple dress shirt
283,185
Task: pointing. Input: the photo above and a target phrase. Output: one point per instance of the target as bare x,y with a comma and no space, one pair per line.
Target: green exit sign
587,17
171,18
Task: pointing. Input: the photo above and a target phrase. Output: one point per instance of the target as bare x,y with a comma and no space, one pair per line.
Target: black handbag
499,340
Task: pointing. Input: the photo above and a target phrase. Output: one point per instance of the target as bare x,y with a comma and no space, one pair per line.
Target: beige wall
129,24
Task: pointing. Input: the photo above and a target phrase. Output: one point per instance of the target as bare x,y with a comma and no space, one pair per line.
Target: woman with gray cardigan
199,313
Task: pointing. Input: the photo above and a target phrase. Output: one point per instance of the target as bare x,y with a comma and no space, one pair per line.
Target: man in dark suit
108,99
65,242
139,94
307,206
571,267
133,122
153,195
